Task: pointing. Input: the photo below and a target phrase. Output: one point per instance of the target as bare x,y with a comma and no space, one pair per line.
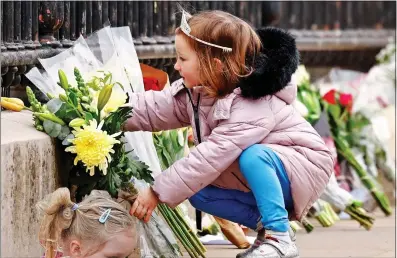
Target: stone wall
28,173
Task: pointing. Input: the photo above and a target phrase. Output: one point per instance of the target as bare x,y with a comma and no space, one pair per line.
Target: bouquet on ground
310,105
341,199
345,128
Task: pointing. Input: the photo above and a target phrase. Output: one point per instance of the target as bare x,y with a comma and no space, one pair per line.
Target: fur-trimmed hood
273,68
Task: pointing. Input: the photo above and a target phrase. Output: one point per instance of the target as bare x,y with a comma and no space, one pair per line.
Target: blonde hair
226,30
60,221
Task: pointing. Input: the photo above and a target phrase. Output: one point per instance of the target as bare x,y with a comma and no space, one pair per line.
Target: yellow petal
76,160
71,149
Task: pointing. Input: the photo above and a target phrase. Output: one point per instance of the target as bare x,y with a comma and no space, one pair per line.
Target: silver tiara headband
186,29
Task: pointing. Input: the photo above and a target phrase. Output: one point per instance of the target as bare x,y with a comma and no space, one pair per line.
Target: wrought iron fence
26,24
32,29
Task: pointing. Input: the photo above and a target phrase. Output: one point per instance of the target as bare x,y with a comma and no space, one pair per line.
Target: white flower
301,75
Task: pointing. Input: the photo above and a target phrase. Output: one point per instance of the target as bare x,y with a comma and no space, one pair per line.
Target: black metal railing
25,24
39,29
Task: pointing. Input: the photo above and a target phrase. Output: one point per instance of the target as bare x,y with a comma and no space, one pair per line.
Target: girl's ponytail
58,216
64,220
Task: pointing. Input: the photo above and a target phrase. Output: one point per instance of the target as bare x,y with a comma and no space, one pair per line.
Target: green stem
179,212
195,249
167,219
177,230
357,213
188,231
324,219
49,116
307,225
379,196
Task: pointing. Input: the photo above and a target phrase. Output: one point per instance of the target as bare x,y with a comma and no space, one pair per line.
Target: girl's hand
144,204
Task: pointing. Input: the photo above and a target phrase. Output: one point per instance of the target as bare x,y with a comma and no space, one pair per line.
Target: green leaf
54,105
167,158
107,77
173,136
88,117
119,85
66,142
71,114
65,131
114,121
51,128
335,111
73,98
61,113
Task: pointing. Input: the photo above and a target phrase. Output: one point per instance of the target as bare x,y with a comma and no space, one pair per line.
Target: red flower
345,99
330,97
151,84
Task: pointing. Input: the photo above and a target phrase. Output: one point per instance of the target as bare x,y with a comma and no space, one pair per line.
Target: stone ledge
28,173
18,126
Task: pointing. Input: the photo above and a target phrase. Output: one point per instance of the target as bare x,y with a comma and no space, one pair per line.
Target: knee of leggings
198,200
252,155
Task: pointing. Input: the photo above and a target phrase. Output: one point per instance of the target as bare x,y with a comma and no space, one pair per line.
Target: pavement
345,239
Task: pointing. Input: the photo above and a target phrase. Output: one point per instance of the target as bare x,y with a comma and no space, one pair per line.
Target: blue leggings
268,201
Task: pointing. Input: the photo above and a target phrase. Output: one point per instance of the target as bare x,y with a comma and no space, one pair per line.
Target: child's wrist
155,193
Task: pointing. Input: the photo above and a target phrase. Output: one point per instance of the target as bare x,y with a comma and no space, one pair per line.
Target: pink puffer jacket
257,111
228,126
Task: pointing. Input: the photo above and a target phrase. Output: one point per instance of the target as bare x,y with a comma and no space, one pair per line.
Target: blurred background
346,34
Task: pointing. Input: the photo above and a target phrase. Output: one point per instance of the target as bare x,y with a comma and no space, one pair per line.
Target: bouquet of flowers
340,199
87,119
308,97
87,88
345,128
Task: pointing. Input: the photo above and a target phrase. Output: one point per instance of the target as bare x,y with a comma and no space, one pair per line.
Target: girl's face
187,63
121,245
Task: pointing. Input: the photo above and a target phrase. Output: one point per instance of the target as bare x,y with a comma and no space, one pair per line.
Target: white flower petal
100,125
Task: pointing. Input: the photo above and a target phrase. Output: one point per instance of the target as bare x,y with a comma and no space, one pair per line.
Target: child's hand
144,204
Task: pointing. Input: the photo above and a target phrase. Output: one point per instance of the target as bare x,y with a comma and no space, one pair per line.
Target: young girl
98,227
257,161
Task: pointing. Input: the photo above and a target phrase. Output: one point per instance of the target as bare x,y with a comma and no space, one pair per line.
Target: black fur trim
273,68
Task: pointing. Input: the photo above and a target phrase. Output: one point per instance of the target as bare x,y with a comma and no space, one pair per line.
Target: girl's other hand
144,204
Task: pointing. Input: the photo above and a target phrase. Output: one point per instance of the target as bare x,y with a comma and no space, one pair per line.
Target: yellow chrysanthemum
93,146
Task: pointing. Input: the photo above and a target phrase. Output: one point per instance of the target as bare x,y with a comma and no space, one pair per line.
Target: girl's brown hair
61,222
226,30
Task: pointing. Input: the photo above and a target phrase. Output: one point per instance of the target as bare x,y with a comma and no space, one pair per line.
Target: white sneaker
270,247
292,234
